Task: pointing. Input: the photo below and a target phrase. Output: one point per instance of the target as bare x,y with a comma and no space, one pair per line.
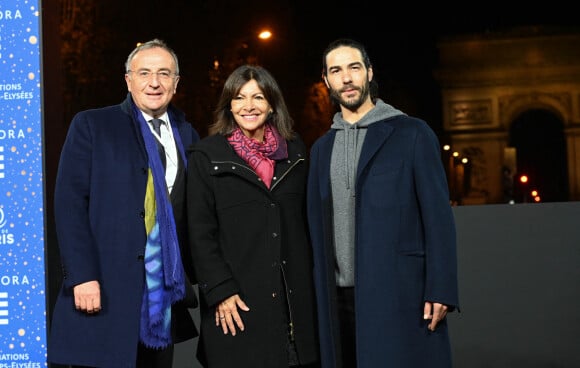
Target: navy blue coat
99,214
405,247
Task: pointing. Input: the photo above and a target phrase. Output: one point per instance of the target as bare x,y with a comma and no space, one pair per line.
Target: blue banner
22,268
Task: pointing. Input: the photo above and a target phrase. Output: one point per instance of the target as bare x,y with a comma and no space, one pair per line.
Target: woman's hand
227,315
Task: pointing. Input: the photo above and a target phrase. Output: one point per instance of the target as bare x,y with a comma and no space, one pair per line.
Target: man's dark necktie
157,127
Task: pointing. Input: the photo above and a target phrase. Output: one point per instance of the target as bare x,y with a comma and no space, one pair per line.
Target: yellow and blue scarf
165,279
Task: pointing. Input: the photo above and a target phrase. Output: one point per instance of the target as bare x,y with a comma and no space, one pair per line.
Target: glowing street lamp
265,34
524,181
535,195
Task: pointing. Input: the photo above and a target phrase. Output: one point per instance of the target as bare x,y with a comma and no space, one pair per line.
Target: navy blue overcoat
405,247
99,212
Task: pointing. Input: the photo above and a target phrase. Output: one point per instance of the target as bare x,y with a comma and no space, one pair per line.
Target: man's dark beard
354,104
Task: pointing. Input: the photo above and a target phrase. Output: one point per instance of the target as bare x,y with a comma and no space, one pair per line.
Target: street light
524,184
535,195
455,173
265,34
242,50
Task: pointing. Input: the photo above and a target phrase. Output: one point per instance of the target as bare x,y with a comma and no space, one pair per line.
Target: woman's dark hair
280,118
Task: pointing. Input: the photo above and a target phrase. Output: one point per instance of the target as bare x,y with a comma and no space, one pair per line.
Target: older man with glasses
121,227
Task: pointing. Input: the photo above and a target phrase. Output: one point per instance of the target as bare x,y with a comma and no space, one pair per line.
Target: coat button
274,235
274,295
140,257
142,214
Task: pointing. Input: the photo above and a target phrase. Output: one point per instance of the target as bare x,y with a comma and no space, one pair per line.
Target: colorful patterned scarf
165,276
260,156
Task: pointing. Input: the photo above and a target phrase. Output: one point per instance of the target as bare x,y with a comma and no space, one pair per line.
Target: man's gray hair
149,45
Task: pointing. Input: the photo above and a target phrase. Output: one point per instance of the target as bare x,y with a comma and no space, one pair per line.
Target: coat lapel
324,162
376,136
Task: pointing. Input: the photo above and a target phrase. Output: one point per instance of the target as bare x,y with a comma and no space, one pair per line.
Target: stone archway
490,84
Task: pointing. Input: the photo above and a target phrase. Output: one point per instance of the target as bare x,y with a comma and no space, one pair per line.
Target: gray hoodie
343,165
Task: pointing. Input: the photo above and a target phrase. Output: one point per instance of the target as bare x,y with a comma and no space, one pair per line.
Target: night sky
401,40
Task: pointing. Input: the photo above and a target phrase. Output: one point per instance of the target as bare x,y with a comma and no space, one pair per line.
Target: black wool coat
253,241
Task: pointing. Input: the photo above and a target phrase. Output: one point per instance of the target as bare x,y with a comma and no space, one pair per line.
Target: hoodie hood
381,111
352,137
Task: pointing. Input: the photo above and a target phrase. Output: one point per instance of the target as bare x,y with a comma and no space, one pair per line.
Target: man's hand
88,297
435,312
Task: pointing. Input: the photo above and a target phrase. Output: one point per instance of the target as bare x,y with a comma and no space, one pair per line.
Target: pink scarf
260,156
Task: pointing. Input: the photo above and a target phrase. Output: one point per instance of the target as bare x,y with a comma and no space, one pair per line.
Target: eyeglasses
146,74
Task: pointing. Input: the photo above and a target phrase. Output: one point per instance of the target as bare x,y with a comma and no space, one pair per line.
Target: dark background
95,37
86,43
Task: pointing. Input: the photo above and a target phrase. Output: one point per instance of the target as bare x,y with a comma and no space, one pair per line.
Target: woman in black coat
248,231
